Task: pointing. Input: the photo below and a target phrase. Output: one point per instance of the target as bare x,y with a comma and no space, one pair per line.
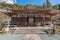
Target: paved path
49,37
33,36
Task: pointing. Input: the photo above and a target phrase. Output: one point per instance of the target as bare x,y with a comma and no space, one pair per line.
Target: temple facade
31,17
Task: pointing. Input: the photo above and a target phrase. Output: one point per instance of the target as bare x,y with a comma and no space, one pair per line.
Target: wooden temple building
31,17
29,20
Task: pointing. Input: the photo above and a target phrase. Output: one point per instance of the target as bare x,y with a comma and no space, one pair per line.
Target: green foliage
48,4
0,27
45,5
37,7
55,7
59,6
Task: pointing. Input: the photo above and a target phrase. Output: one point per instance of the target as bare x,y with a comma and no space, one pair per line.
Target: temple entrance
31,20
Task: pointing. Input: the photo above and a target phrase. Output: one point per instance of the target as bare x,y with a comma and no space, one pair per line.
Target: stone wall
4,19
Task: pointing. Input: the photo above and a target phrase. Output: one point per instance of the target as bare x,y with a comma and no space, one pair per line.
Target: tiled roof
5,10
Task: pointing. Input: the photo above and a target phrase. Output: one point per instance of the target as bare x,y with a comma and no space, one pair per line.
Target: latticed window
22,19
14,20
47,19
39,19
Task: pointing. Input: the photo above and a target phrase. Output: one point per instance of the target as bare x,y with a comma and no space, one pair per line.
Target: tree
56,6
59,6
48,4
44,6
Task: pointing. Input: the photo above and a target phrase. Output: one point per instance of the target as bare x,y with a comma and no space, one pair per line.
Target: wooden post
53,26
44,19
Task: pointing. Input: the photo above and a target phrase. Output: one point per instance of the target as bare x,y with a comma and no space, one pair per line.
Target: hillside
3,5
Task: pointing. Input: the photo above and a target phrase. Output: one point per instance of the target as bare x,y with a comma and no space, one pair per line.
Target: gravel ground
49,37
21,37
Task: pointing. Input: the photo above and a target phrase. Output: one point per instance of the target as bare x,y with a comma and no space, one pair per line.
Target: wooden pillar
27,19
44,19
53,26
51,19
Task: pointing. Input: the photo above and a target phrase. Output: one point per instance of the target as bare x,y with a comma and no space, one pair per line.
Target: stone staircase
28,30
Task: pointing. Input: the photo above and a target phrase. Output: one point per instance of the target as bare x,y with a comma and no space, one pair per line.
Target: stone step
27,31
19,30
